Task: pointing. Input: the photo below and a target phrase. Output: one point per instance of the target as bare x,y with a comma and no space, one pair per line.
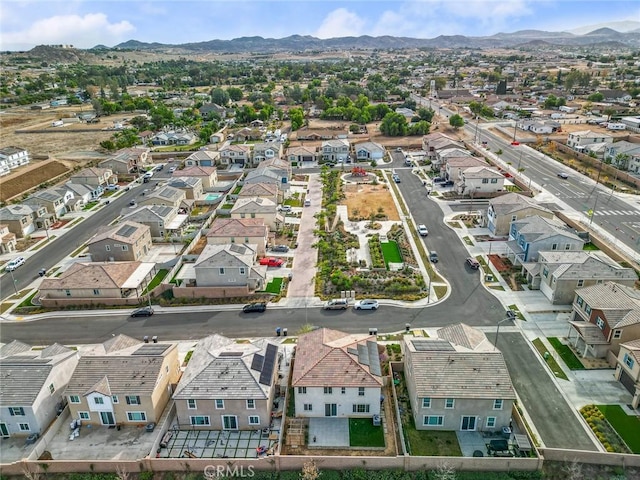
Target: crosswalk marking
615,212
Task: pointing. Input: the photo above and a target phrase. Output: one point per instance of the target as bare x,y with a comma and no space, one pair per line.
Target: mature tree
456,121
419,128
595,97
425,114
219,96
235,93
297,118
394,125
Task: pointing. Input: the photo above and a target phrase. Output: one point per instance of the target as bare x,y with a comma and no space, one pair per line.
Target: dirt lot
364,199
28,177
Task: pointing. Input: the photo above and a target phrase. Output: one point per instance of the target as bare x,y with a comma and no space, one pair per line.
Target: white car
366,305
15,263
172,169
422,230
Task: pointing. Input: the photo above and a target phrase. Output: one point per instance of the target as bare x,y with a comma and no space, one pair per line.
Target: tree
219,96
310,471
595,97
235,94
296,115
394,125
456,121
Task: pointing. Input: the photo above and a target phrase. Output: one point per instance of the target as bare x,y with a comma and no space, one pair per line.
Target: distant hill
621,26
49,54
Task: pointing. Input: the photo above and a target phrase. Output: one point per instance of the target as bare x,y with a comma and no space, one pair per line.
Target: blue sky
85,23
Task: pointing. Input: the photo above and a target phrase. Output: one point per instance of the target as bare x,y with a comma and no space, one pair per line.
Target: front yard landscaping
362,433
627,426
604,430
549,360
567,355
274,286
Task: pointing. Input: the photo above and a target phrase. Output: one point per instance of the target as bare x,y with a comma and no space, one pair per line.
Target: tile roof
254,205
195,171
465,336
327,357
13,348
232,227
481,172
228,255
91,275
120,233
259,189
513,202
535,228
620,304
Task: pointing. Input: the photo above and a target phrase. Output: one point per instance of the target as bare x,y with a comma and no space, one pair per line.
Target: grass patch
293,202
497,287
42,244
566,354
291,340
468,241
236,190
156,280
627,426
274,286
391,252
187,357
89,206
27,301
78,250
589,246
430,443
5,306
515,308
227,206
362,433
454,224
440,290
550,361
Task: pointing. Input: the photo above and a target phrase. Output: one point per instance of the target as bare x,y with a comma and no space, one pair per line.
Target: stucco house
258,207
173,138
559,273
33,382
628,369
166,196
123,381
251,231
12,157
95,176
369,151
84,192
508,208
336,374
127,160
480,180
454,165
266,151
229,265
228,385
235,154
268,190
192,186
301,154
457,381
124,242
335,150
604,316
207,175
23,219
202,158
52,199
579,141
7,240
162,221
434,142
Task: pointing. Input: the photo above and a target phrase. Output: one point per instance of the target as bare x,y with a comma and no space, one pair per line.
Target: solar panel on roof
151,349
432,346
235,248
269,364
126,230
256,363
374,358
352,351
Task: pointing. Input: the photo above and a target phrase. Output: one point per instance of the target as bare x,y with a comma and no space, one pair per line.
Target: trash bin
277,331
546,355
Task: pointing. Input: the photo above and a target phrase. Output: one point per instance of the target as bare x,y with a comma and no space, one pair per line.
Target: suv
254,307
433,256
285,208
142,312
422,230
473,263
396,178
336,304
280,248
15,263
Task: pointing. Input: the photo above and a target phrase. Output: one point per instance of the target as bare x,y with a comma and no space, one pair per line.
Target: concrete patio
328,432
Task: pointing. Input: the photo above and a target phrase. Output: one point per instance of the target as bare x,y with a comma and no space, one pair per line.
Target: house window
491,422
114,399
137,416
219,404
191,404
242,215
302,390
426,402
221,271
107,248
361,408
125,248
243,271
74,399
494,180
545,272
246,239
84,416
361,391
628,360
617,334
16,411
24,427
497,404
52,389
433,420
96,291
343,390
579,300
67,292
328,390
254,420
514,218
251,403
485,180
253,215
554,246
580,283
587,309
98,400
567,246
450,403
200,420
133,400
308,407
600,323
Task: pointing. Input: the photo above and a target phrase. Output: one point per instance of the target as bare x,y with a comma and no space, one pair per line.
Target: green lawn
566,354
550,361
362,433
627,426
156,280
590,246
89,205
391,252
274,286
430,443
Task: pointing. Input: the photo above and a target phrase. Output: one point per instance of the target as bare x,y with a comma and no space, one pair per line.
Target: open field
28,177
365,199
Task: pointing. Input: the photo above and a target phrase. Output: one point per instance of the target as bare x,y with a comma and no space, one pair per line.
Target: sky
86,23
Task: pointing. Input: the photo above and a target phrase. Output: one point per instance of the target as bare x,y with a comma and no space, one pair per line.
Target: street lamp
13,280
595,205
511,315
472,195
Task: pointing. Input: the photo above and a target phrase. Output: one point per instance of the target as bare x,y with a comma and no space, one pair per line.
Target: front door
107,418
468,423
229,422
330,409
4,431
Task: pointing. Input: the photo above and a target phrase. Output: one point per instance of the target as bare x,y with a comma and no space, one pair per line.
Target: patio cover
590,333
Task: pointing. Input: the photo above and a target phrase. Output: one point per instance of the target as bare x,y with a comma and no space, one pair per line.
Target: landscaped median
549,360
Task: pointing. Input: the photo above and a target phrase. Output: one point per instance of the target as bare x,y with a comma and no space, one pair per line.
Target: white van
307,203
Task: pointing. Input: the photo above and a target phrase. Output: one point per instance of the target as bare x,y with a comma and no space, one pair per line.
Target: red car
271,262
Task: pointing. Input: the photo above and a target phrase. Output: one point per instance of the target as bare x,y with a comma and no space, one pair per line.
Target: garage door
627,381
307,158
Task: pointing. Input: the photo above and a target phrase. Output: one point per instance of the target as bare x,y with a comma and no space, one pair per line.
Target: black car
142,312
254,307
448,183
439,180
280,248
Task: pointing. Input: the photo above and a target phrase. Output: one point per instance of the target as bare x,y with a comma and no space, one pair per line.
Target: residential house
457,381
167,196
267,190
33,382
335,150
84,192
508,208
306,133
444,156
7,240
271,171
249,231
228,385
615,96
173,138
124,242
202,158
336,374
559,273
230,265
579,141
192,186
235,154
266,151
369,151
247,134
12,157
123,381
212,110
621,153
454,165
97,283
631,123
207,175
534,234
257,207
434,142
23,219
480,180
128,160
301,154
51,199
162,221
628,369
604,316
94,176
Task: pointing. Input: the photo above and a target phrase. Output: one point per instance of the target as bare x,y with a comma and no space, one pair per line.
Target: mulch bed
500,265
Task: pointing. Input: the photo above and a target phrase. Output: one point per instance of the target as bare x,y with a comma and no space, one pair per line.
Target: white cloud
81,31
341,23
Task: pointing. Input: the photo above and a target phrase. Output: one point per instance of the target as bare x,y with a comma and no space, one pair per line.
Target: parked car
439,180
42,272
563,175
142,312
398,149
271,261
448,183
280,248
15,263
433,256
254,307
366,305
159,168
132,203
172,169
285,208
336,304
473,263
307,203
396,178
113,187
422,230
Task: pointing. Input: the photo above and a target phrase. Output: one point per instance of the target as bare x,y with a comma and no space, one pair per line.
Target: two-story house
250,231
230,265
208,175
22,219
162,221
7,239
434,142
168,197
508,208
266,151
604,316
336,374
580,141
454,165
457,381
12,157
128,160
95,176
258,207
53,200
534,234
235,154
124,242
480,180
228,385
268,190
620,153
559,273
335,150
191,186
628,369
84,192
123,381
33,382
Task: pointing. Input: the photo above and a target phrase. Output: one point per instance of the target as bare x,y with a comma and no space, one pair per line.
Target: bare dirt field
28,177
365,199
